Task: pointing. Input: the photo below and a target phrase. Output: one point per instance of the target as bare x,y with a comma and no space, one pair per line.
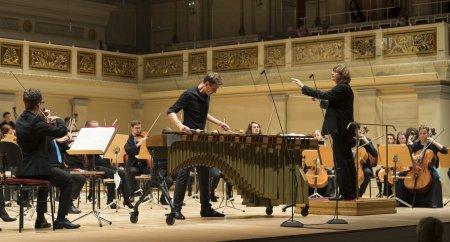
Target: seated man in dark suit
32,129
57,149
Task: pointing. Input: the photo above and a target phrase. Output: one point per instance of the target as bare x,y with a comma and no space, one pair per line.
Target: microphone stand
291,222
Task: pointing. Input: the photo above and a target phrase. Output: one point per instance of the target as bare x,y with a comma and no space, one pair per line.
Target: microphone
311,76
263,72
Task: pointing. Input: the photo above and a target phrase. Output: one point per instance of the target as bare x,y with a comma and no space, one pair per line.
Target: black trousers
215,175
345,165
180,187
78,183
368,174
2,201
124,187
58,178
134,171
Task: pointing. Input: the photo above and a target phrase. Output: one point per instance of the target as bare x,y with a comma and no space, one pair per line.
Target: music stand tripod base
337,221
292,224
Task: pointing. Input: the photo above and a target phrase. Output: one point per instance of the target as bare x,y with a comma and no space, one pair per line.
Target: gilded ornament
275,55
160,66
197,63
86,63
11,55
49,59
409,43
235,59
119,66
317,51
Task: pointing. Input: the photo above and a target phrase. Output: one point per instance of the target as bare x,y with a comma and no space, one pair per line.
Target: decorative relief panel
119,66
363,47
160,66
410,43
317,51
235,59
50,59
275,55
197,63
86,63
11,55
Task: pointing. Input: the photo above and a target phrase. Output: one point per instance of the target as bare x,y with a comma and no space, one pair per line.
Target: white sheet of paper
92,140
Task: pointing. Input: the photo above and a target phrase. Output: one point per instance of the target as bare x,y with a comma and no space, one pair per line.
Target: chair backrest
10,155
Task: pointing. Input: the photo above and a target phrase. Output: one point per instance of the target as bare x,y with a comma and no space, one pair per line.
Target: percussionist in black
195,104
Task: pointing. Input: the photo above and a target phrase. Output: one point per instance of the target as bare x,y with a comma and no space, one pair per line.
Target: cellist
432,197
370,162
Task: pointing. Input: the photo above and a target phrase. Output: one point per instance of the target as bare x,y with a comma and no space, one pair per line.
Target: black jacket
132,150
195,106
32,133
339,110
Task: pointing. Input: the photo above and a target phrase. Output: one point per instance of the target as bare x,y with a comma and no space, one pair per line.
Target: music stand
93,141
115,152
444,162
311,159
399,157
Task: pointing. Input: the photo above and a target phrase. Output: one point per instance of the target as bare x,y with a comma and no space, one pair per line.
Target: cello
418,178
316,175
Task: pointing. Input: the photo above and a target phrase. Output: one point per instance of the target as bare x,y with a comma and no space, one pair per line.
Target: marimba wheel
134,216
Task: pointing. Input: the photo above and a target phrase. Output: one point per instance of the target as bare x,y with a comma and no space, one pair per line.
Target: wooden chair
11,154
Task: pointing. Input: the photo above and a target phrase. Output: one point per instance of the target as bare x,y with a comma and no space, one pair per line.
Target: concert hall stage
251,225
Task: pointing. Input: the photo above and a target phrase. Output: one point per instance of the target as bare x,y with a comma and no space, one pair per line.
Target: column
138,110
368,110
80,106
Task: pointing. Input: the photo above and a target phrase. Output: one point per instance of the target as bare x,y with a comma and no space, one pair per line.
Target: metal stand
94,212
224,200
194,195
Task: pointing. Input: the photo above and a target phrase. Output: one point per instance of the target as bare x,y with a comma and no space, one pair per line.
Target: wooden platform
364,206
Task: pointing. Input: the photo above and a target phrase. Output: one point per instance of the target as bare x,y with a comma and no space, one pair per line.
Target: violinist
370,162
32,129
7,133
135,166
5,130
7,119
106,166
57,149
432,197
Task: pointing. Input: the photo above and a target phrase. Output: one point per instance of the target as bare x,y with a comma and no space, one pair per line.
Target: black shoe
138,193
189,193
128,204
74,210
6,218
178,215
213,198
42,224
343,197
113,206
64,224
211,213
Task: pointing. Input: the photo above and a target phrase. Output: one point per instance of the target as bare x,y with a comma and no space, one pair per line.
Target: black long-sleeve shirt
417,146
195,106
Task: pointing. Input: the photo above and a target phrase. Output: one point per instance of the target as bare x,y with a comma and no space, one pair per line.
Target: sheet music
92,140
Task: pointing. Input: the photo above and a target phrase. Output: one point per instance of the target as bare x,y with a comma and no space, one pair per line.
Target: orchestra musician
57,149
339,115
329,189
32,130
106,166
195,104
4,130
390,140
367,165
432,197
7,119
135,166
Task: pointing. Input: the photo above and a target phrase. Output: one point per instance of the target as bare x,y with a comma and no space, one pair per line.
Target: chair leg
20,210
52,206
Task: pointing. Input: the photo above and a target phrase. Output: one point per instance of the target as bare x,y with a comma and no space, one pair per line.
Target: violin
15,113
144,154
419,178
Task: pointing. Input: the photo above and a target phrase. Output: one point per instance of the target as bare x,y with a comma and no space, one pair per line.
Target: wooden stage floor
251,225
